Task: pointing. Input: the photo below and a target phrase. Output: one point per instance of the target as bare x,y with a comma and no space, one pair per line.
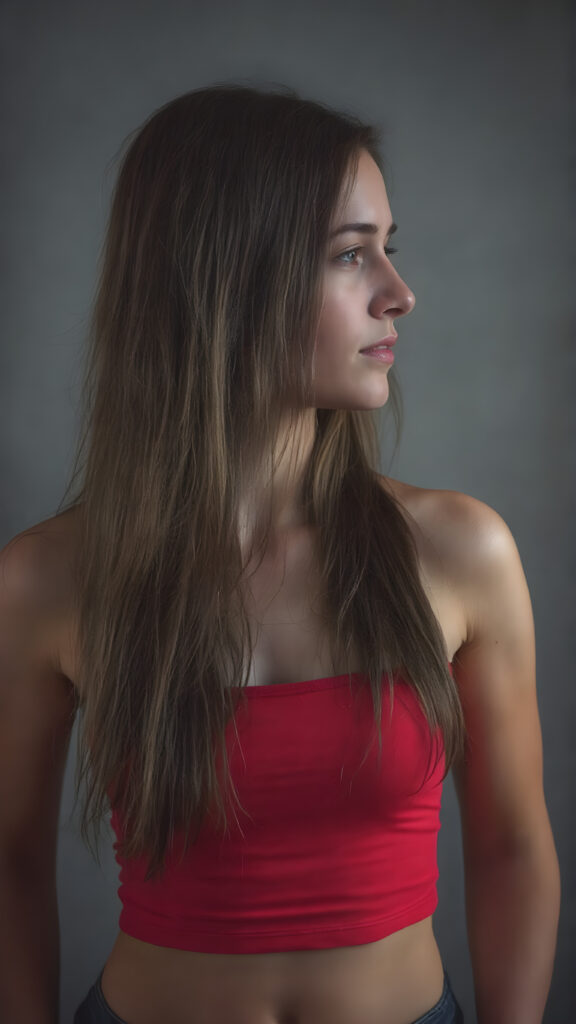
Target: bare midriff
395,980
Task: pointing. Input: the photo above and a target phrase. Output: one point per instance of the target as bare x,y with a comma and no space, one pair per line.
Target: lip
389,341
383,355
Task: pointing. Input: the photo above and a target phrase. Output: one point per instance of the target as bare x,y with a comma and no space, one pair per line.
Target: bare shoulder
499,781
469,552
37,582
38,562
37,695
464,532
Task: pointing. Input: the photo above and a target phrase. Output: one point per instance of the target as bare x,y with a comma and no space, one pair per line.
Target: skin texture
363,296
472,573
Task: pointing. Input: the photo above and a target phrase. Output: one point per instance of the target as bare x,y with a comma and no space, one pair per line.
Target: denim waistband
95,1010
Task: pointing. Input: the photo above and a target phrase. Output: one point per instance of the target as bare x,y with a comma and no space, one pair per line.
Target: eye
358,248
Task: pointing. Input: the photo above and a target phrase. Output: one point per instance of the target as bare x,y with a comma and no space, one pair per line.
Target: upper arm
499,781
36,708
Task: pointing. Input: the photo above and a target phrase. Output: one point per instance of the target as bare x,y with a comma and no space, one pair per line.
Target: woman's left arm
512,876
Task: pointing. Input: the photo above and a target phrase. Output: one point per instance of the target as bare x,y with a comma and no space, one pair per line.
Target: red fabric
332,854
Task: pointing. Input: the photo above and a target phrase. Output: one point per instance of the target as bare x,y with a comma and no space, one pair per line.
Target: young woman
240,606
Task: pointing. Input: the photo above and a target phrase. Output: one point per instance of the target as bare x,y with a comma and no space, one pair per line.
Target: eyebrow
365,229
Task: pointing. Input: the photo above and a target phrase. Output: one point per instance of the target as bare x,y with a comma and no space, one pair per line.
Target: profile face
363,295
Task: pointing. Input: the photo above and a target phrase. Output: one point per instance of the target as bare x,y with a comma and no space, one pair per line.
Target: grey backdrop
475,100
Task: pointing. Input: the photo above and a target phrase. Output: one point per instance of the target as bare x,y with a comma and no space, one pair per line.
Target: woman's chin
371,399
356,399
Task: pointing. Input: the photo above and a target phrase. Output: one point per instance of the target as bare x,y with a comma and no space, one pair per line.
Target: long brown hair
208,297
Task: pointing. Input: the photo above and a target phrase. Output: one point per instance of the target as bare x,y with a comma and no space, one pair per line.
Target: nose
393,297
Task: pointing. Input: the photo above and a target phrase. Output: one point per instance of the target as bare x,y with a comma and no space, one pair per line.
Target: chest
288,614
286,606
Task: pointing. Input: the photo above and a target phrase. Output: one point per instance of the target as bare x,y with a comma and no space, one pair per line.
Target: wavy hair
200,340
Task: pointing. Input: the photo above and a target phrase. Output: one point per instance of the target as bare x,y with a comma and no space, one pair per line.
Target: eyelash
358,248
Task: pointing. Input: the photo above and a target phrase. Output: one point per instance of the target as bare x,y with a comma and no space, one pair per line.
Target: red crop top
332,854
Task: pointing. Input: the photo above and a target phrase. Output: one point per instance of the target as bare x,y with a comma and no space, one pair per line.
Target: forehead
366,199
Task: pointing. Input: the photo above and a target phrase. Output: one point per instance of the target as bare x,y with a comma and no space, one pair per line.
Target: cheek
334,330
332,363
327,347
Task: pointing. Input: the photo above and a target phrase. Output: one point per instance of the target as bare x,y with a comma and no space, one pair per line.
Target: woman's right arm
36,718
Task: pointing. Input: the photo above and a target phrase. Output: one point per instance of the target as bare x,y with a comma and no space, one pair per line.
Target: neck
272,502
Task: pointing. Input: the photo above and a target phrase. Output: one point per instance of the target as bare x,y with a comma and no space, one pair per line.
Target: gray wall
475,98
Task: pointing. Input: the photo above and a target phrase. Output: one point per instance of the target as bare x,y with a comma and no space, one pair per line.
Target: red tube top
332,854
